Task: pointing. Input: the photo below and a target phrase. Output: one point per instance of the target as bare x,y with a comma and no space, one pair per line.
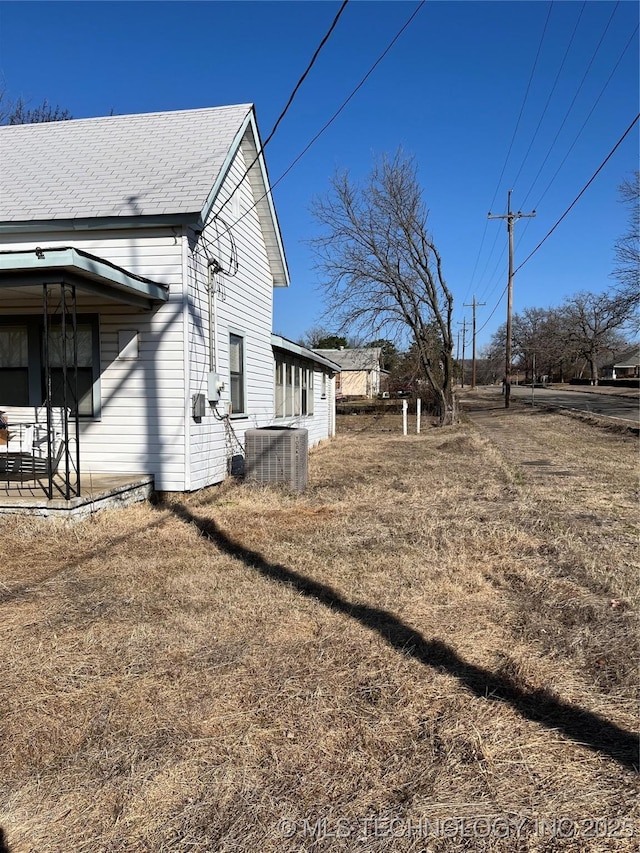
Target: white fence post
405,407
418,414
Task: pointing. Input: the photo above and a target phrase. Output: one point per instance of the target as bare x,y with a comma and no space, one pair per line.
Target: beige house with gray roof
138,257
360,373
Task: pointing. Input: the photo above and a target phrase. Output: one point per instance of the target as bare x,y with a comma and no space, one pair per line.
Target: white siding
244,302
141,426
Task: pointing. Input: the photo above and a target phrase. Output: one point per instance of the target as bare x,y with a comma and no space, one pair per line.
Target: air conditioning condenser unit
277,455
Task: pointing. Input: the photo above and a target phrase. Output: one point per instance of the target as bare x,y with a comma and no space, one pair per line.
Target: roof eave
51,265
251,123
101,223
278,342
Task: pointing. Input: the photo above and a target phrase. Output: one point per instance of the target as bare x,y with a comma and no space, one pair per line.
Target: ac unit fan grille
277,455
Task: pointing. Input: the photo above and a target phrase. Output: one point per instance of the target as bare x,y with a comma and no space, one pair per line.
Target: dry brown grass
441,627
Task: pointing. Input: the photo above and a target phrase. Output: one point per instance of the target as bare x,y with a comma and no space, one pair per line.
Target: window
297,403
280,386
307,403
14,365
22,364
294,387
288,392
236,373
85,368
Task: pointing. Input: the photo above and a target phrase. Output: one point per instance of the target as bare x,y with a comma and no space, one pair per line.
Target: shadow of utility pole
539,706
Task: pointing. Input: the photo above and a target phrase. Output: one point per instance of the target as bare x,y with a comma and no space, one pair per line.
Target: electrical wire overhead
582,191
506,159
524,101
573,203
550,95
488,288
333,117
571,105
584,124
312,61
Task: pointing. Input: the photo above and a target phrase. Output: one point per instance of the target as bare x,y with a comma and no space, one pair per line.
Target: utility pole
511,217
474,305
464,332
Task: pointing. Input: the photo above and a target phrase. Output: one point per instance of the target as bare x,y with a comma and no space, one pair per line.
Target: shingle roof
364,358
132,165
629,357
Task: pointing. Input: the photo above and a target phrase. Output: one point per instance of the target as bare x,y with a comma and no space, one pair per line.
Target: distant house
138,257
360,373
626,366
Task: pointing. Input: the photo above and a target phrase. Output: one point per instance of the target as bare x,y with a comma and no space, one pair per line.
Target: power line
325,39
577,92
553,88
526,95
584,124
308,69
333,117
495,308
551,147
506,159
522,235
582,191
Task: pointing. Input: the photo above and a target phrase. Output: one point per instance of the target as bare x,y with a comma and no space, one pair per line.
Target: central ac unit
277,455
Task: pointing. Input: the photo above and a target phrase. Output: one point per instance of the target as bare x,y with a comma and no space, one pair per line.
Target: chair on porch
25,450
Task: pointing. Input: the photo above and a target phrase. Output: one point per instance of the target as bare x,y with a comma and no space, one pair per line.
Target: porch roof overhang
280,343
88,272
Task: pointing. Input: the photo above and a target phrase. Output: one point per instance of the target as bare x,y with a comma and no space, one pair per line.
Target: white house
138,257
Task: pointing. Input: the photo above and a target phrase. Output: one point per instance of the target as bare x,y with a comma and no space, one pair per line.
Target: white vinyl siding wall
141,425
243,304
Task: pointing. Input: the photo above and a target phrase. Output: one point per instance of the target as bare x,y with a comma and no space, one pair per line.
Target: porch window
297,373
237,373
307,392
14,365
22,370
85,368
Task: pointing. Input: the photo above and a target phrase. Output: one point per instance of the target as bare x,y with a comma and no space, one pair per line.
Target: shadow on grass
582,726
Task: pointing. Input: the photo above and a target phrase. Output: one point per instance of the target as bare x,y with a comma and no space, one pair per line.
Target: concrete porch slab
99,491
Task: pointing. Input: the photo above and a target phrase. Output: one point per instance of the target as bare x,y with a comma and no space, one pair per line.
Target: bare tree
19,112
627,248
490,363
383,273
540,340
23,114
591,324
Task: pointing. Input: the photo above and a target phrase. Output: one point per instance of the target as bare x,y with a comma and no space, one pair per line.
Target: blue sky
451,92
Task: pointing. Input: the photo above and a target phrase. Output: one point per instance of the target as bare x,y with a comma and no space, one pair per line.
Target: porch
50,378
99,491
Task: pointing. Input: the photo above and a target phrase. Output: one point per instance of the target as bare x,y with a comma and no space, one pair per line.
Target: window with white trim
237,374
294,387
